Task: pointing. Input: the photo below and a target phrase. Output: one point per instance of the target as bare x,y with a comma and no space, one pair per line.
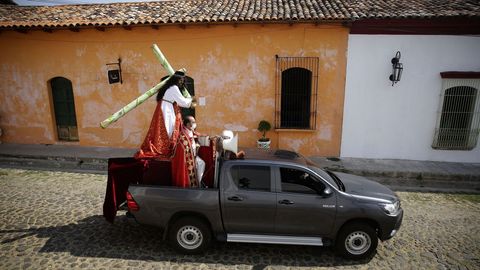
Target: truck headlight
391,209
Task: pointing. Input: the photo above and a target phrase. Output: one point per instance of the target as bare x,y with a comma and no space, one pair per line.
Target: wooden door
64,107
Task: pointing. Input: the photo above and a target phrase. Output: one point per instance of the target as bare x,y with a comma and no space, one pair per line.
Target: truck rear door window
249,177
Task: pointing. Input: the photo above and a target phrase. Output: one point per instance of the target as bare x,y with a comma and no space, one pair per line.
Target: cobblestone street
53,220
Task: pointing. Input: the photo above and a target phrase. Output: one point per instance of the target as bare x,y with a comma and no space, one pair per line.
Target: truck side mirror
327,192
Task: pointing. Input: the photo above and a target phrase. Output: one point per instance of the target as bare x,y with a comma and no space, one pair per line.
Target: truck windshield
325,175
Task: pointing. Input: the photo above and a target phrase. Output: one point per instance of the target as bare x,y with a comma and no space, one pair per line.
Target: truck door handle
235,198
287,202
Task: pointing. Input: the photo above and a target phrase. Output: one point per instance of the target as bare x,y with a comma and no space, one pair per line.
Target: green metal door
64,107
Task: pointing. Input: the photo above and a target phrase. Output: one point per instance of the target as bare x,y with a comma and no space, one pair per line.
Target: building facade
426,115
233,68
67,68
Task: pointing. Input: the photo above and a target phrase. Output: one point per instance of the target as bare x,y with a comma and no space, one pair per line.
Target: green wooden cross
135,103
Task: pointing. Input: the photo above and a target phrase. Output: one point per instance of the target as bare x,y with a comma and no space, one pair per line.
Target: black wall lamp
115,75
397,69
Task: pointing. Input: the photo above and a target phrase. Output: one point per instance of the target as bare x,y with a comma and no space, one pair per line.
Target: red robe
157,144
183,163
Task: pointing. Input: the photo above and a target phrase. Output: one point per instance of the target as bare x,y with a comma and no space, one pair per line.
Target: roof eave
182,24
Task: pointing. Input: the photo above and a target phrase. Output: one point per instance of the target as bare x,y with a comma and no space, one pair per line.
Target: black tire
356,241
189,235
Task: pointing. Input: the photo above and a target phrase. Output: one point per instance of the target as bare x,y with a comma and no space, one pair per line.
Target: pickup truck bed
123,172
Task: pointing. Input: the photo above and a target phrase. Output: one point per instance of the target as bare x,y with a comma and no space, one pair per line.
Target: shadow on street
94,237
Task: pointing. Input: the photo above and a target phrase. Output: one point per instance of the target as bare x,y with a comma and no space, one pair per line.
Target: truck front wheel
190,235
356,241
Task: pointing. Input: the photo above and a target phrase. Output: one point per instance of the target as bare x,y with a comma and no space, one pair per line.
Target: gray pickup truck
272,197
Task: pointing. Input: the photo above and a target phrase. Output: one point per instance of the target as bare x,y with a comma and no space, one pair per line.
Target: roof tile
232,11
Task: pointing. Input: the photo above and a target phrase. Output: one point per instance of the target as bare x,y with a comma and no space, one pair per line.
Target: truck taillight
131,203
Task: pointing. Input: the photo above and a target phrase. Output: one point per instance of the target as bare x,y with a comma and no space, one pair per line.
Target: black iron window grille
296,84
458,125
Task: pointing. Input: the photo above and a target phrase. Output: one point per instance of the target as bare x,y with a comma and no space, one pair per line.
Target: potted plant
263,127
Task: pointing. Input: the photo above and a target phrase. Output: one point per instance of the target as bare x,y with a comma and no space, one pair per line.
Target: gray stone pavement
52,220
398,174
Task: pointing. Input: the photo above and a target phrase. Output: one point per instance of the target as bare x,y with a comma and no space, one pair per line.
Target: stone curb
96,166
57,158
96,163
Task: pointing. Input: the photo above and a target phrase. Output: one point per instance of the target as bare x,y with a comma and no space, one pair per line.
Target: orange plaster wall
233,68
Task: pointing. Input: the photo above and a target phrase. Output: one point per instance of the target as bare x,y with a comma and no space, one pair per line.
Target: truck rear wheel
190,235
356,241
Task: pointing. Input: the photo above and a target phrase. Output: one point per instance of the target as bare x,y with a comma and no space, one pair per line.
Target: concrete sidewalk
406,173
42,151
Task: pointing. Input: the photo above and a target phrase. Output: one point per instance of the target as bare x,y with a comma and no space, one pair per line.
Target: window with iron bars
458,122
296,84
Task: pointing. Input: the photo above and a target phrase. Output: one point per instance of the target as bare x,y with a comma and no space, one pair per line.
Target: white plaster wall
385,122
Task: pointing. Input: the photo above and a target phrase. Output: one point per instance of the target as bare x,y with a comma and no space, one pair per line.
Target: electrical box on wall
113,76
115,72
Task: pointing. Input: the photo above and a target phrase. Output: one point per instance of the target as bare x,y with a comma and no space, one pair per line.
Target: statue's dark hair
173,80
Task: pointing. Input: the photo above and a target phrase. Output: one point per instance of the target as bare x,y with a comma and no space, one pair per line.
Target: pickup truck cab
272,197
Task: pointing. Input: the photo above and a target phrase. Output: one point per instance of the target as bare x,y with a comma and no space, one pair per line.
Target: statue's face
181,82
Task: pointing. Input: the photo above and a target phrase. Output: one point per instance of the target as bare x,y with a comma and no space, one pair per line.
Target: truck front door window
297,181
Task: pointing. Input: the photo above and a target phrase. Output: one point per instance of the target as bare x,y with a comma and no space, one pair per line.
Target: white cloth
173,94
200,165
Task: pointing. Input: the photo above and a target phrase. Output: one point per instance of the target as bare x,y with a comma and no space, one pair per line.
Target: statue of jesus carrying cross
165,139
